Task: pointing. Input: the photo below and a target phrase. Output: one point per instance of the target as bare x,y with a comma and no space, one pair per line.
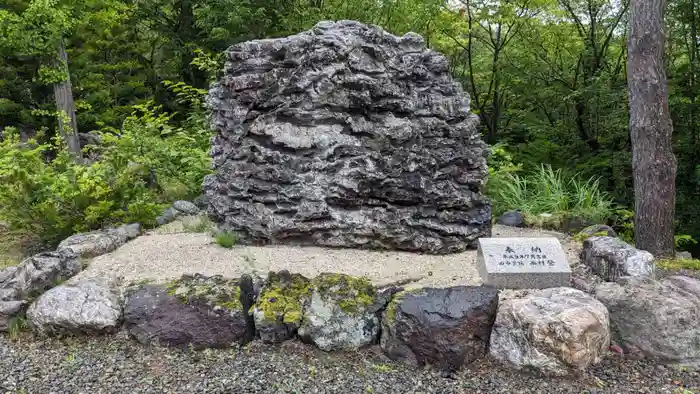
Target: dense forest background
546,77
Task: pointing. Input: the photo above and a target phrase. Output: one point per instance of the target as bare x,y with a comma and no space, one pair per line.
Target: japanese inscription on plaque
523,262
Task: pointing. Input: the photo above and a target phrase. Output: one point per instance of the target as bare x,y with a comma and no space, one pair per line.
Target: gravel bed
119,365
162,256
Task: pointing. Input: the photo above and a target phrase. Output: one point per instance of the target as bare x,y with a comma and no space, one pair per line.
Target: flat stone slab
523,263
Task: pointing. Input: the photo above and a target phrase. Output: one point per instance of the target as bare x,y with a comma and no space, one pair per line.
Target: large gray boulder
96,243
177,209
553,332
342,313
442,327
32,277
88,306
346,136
655,319
612,258
202,312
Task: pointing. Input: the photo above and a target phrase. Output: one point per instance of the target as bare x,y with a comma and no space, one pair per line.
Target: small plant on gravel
386,368
682,390
16,326
226,239
200,224
72,361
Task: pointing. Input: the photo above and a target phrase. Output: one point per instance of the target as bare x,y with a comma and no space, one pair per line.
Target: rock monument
346,136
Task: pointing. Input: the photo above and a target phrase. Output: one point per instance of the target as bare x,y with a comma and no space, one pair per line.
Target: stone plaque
523,263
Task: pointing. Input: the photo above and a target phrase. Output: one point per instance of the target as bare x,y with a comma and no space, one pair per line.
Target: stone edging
557,331
21,284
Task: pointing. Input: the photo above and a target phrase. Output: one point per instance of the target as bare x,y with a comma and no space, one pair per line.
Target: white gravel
166,254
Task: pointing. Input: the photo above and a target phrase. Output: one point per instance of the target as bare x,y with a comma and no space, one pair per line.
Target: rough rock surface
204,312
612,258
186,207
30,278
684,255
512,219
583,278
201,202
280,306
96,243
554,331
442,327
9,309
177,209
346,136
597,230
656,319
168,215
342,313
78,307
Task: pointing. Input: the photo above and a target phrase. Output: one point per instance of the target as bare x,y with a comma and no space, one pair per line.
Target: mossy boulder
598,230
342,313
280,306
197,311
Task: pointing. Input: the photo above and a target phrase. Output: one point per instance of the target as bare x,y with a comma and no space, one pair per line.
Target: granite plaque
523,263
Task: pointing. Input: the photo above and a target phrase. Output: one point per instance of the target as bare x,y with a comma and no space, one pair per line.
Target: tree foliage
546,77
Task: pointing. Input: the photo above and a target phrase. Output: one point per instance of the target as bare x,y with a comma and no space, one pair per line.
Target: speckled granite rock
32,277
89,306
612,258
96,243
655,319
554,332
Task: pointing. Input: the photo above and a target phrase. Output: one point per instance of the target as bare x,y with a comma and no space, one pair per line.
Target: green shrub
140,171
550,191
501,168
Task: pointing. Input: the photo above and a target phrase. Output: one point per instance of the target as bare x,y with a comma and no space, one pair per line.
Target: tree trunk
63,93
693,50
653,162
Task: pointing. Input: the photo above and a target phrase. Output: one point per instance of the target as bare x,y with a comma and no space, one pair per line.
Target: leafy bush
148,165
549,191
501,168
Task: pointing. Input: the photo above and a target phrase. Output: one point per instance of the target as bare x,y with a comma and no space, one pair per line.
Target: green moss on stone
580,237
351,294
678,263
212,291
390,311
285,301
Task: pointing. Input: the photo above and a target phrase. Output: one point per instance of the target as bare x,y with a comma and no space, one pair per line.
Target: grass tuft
226,239
16,326
549,191
200,224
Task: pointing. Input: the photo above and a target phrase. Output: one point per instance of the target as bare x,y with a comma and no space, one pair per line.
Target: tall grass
551,191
